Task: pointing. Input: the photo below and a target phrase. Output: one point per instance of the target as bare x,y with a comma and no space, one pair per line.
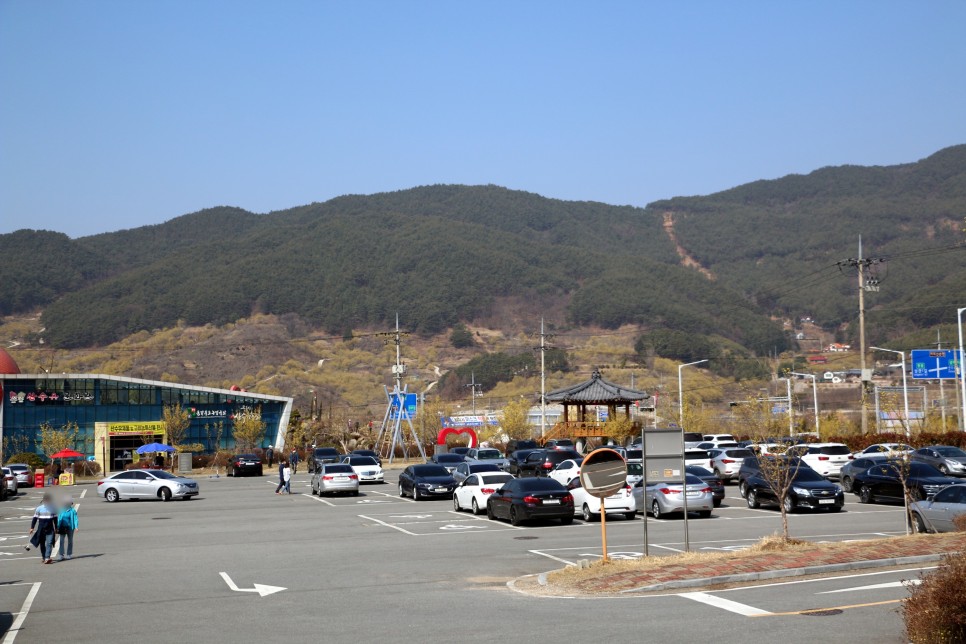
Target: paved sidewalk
755,566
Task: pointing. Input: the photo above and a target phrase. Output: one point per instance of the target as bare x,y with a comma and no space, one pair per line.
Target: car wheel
788,503
587,515
401,493
489,513
918,524
476,508
165,494
456,504
752,500
416,495
865,495
705,514
514,517
111,495
566,520
847,483
656,510
743,489
630,516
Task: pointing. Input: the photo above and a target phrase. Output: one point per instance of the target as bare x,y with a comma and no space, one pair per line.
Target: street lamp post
681,390
962,370
905,389
791,413
814,394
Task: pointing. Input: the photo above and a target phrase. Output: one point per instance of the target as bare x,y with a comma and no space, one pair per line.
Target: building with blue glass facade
115,415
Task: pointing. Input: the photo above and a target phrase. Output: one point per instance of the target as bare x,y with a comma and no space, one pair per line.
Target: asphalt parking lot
240,561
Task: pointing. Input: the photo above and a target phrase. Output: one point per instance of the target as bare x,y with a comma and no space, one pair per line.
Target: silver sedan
936,514
664,497
146,484
330,478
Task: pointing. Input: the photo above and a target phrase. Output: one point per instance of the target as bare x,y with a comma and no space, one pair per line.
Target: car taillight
487,490
851,457
532,500
727,460
669,490
706,490
327,478
352,477
823,458
100,482
568,499
548,466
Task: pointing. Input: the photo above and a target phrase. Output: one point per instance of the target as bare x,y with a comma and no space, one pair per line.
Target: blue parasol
154,447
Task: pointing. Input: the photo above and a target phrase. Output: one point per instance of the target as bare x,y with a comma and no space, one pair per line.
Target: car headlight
839,489
800,491
424,485
956,465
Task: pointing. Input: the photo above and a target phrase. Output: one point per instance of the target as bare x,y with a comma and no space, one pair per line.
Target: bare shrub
935,611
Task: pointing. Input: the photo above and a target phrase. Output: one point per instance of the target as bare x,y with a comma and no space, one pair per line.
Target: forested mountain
725,264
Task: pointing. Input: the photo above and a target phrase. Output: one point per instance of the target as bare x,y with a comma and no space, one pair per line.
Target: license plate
342,478
826,501
441,489
551,501
694,494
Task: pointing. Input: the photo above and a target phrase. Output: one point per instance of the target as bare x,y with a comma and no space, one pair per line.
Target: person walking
66,526
294,460
42,528
281,477
287,477
269,455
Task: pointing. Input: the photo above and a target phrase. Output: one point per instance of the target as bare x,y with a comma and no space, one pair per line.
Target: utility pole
473,389
942,394
865,284
543,377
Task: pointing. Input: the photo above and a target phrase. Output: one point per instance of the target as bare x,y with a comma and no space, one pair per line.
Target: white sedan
473,492
621,502
566,471
366,467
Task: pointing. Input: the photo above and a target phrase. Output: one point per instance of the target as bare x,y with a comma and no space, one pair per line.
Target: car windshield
539,485
430,470
248,457
495,479
159,474
699,471
807,475
921,469
951,452
338,468
702,454
634,455
692,480
635,469
834,450
449,458
362,460
326,451
488,454
739,453
482,467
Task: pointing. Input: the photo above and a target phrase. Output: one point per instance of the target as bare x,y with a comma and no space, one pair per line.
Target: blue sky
116,114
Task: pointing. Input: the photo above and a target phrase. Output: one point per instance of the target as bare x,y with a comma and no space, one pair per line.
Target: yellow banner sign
144,427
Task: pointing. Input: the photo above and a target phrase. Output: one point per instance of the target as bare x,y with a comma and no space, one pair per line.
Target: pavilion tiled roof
596,391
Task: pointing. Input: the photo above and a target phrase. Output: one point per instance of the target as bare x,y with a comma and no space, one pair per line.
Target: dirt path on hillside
686,259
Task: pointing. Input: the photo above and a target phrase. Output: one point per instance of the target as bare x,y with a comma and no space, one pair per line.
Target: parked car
25,475
466,468
9,483
368,452
699,457
366,468
825,458
566,471
884,481
560,443
634,455
751,466
473,492
691,439
460,451
808,489
665,497
322,455
540,463
707,445
635,472
516,459
244,464
936,514
856,465
146,484
949,460
883,449
422,481
719,438
531,498
712,481
620,502
333,478
449,461
514,445
726,462
488,455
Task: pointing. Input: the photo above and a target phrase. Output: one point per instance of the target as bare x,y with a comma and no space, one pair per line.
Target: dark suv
323,455
514,445
540,462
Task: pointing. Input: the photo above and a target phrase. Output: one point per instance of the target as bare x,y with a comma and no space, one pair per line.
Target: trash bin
39,478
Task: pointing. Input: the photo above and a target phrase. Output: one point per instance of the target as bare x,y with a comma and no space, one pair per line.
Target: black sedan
885,481
531,498
517,457
808,489
449,461
423,481
709,477
245,464
855,466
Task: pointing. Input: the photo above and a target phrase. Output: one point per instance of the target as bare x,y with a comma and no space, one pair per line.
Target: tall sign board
936,364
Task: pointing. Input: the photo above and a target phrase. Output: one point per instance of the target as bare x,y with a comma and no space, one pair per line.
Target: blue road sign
936,364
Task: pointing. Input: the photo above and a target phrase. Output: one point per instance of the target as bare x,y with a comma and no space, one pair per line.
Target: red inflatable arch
446,431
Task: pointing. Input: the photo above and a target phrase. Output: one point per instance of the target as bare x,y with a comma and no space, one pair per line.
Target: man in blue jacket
42,528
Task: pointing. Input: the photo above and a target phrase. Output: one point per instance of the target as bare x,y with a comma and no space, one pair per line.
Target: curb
779,574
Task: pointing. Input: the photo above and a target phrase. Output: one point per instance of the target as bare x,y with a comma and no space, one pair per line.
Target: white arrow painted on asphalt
889,584
261,589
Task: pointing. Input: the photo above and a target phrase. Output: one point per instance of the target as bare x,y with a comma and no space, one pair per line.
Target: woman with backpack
66,525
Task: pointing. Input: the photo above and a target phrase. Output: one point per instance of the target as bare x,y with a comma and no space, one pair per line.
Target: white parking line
83,494
725,604
22,615
320,500
390,525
